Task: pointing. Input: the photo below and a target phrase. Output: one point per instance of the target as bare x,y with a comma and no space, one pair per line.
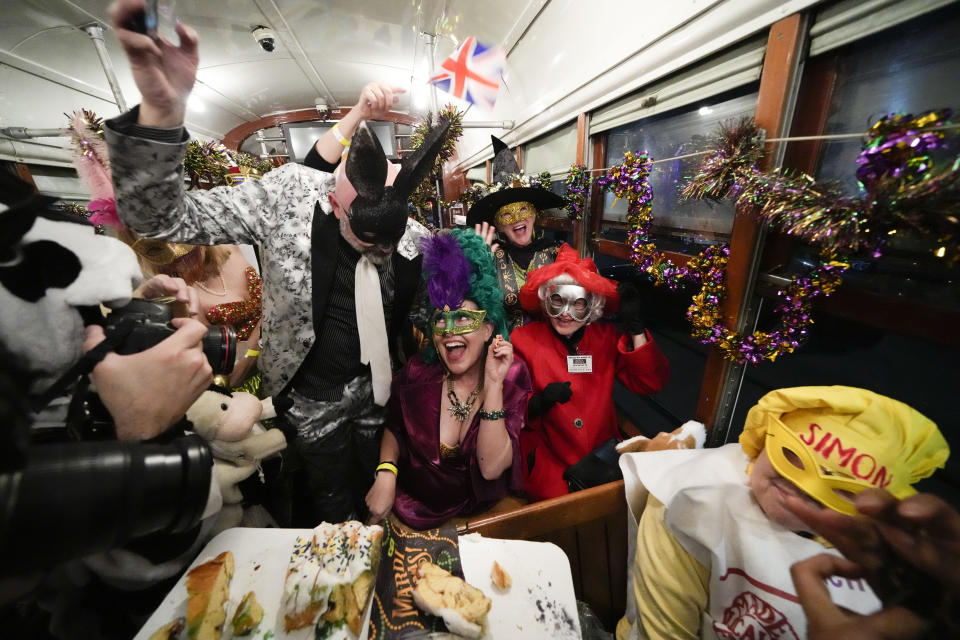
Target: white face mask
571,299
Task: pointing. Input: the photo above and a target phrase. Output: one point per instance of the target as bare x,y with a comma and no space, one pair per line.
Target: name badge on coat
579,364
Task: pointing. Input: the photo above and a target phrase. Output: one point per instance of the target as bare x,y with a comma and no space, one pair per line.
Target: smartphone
146,21
151,19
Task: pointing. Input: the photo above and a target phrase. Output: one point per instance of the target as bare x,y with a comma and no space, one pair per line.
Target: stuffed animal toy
690,435
53,265
230,422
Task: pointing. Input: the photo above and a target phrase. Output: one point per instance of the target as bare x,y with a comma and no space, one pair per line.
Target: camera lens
76,499
220,347
267,44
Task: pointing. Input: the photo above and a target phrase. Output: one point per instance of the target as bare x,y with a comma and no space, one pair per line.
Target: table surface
540,603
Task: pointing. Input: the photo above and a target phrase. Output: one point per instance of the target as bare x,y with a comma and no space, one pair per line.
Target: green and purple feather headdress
457,266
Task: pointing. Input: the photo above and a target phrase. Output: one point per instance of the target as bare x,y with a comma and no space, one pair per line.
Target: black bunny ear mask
379,212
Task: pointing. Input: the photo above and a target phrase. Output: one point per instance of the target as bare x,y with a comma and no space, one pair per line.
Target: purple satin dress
431,489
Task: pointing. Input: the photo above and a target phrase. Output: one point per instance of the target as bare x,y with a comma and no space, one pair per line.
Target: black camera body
150,320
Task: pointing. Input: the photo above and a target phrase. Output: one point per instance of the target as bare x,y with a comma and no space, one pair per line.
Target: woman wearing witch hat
512,209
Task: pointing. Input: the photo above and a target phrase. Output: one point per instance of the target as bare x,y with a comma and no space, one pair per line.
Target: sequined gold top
447,452
242,315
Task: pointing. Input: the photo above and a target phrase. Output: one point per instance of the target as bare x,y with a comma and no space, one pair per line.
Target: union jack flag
472,72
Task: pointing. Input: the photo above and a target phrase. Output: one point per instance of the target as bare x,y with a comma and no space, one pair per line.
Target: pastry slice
501,579
304,592
208,588
169,631
248,616
463,607
357,605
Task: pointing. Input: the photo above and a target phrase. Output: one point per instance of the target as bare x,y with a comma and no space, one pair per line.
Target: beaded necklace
461,410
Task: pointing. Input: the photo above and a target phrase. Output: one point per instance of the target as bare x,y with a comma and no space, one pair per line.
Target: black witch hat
504,168
379,213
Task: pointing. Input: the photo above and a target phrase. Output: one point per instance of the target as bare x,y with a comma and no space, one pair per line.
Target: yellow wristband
336,131
252,353
387,466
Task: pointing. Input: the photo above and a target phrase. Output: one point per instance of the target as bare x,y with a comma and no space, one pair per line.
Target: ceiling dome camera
265,38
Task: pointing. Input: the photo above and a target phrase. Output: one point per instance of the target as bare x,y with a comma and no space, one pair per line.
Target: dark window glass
909,69
678,226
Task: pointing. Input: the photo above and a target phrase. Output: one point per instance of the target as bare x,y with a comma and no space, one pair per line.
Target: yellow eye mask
822,474
513,213
834,442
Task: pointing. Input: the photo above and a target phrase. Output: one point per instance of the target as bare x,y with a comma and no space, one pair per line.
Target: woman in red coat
573,358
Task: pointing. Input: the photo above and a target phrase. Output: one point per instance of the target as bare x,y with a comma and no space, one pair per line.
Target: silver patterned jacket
274,213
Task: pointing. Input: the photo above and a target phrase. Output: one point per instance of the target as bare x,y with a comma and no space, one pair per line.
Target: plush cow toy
53,265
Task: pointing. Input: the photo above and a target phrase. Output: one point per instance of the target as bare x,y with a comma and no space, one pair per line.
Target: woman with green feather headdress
451,446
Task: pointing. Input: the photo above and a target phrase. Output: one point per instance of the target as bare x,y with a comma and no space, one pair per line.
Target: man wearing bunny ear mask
340,262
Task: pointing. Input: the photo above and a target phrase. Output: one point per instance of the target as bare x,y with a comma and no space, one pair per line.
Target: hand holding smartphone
146,21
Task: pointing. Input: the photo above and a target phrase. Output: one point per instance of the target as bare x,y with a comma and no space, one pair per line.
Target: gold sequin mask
513,213
160,252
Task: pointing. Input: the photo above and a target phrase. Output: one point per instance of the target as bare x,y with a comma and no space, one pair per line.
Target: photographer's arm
147,392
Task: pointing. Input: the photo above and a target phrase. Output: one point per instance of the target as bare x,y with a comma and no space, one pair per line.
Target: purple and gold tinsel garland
793,310
578,188
901,192
708,269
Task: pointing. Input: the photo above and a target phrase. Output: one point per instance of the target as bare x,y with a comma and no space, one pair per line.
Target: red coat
567,432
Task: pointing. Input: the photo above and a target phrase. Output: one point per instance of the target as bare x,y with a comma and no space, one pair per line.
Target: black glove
553,393
630,313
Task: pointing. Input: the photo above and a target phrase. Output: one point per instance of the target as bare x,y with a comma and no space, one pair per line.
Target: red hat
584,271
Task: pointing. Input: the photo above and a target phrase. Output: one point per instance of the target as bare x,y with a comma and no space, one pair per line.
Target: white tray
540,604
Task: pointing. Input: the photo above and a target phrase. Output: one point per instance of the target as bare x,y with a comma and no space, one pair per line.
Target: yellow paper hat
830,439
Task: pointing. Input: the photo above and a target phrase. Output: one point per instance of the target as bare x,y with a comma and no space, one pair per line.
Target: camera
148,323
74,499
265,37
61,500
323,111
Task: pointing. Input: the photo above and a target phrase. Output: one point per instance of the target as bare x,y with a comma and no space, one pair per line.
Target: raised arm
164,73
494,448
375,102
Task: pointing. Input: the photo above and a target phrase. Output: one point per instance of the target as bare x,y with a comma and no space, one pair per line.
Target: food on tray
208,588
248,616
463,607
348,602
169,631
330,574
501,579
